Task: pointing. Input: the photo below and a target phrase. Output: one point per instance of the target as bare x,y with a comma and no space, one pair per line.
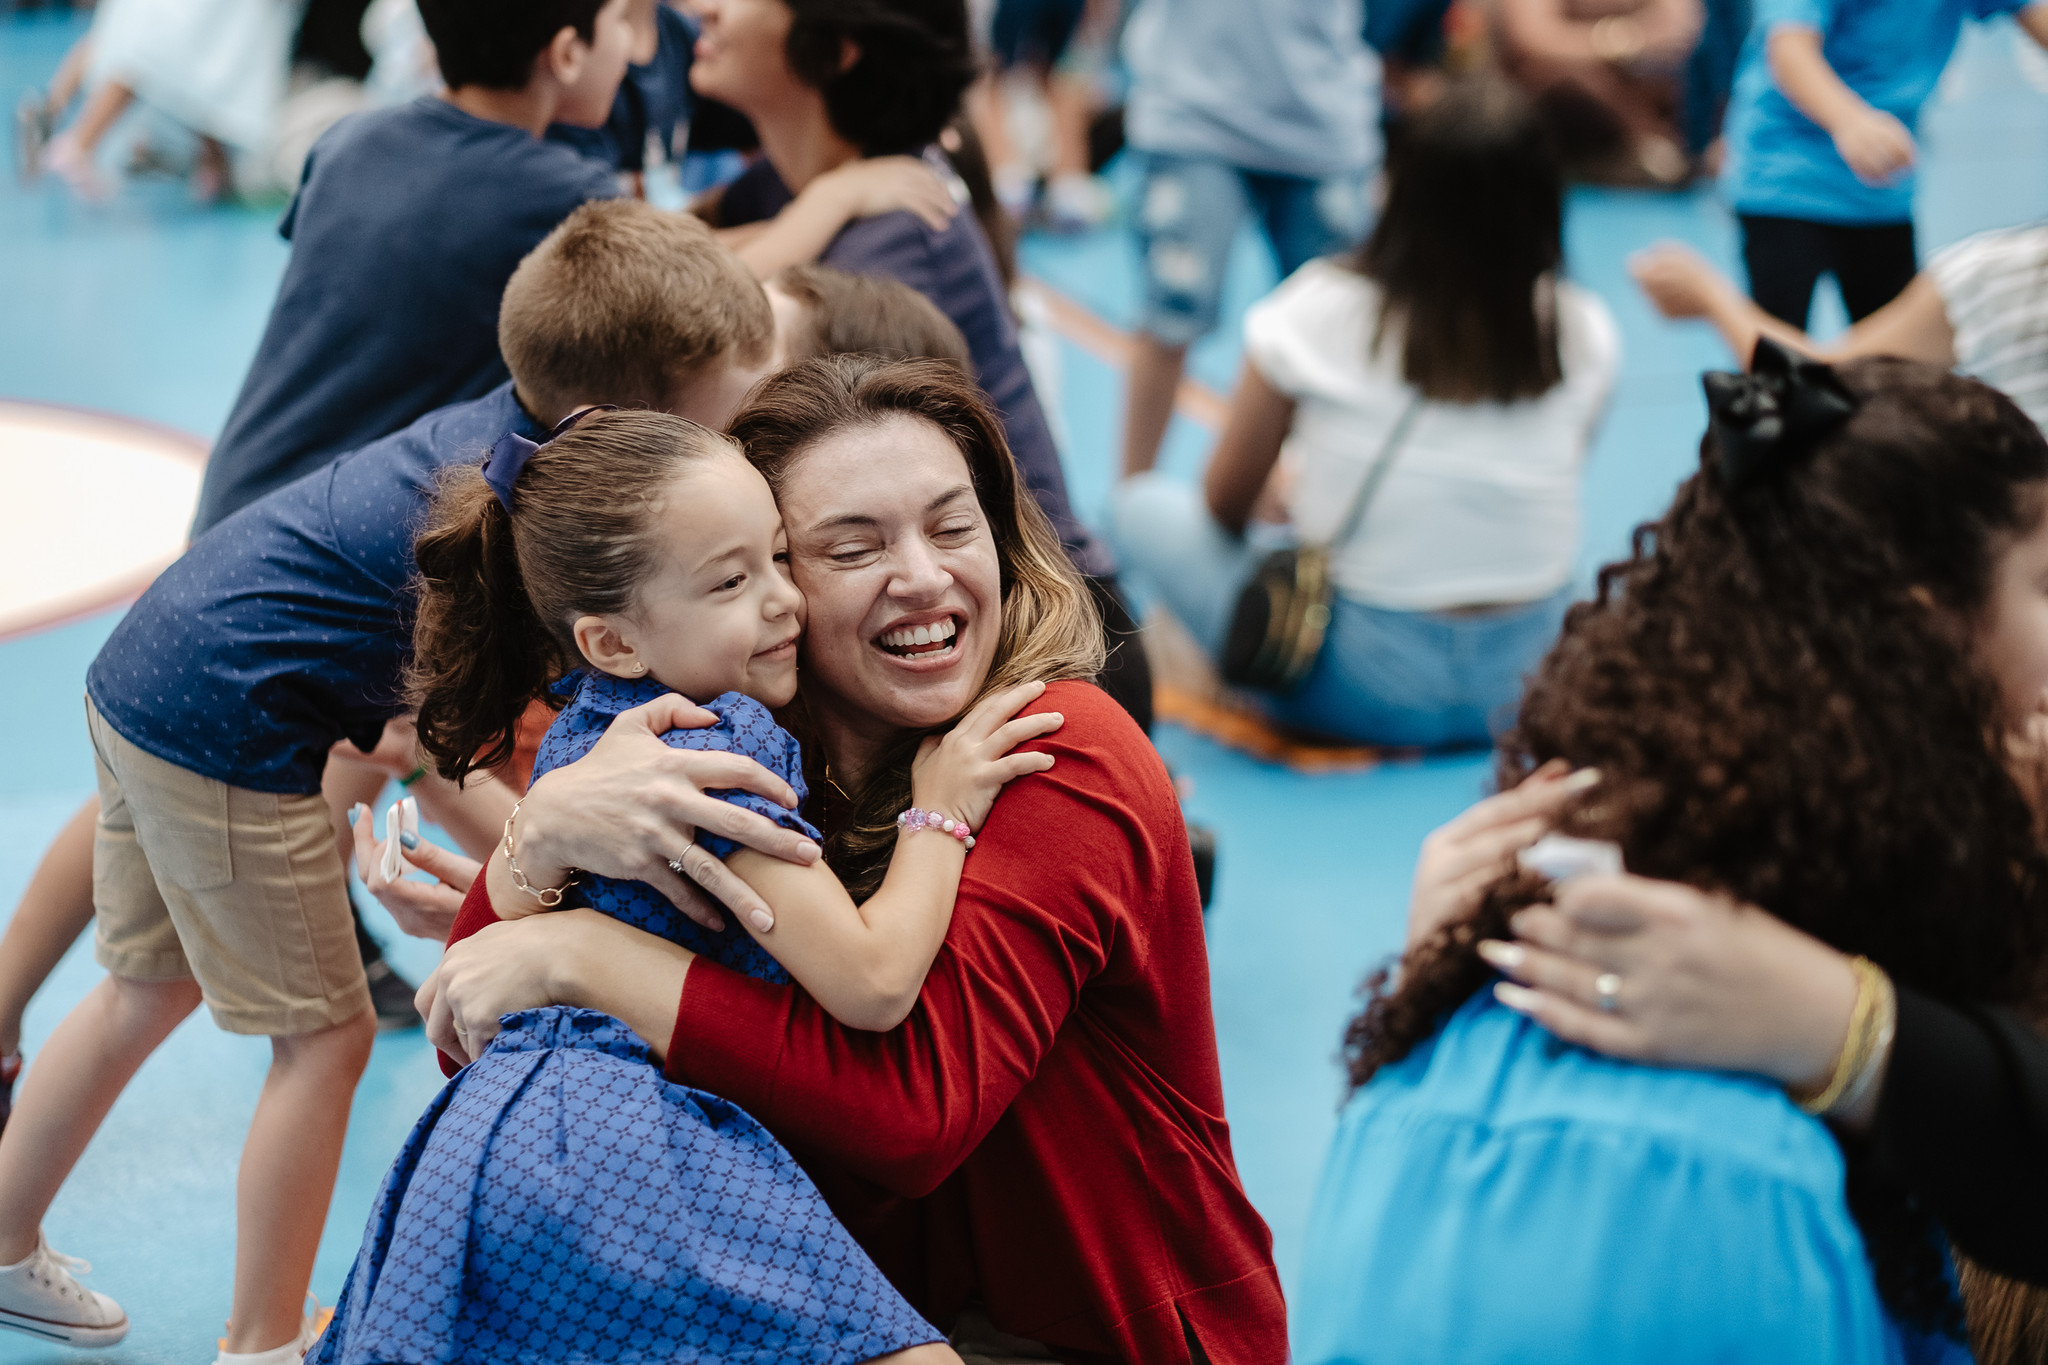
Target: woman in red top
1043,1140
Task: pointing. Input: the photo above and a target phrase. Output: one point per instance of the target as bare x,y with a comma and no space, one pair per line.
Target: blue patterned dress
560,1202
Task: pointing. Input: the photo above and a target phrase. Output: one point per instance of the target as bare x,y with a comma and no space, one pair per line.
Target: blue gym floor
150,307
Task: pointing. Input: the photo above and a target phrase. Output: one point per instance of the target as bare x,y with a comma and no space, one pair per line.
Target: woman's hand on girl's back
960,772
1699,980
633,804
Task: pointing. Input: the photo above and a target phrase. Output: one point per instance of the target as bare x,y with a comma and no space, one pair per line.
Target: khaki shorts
243,891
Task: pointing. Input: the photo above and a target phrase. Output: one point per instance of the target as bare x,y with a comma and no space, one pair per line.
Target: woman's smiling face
889,544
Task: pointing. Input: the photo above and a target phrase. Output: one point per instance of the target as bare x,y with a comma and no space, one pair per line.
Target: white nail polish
1518,998
1583,779
1507,956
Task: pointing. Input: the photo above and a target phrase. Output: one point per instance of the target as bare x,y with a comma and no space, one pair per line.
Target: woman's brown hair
500,590
1050,629
1781,691
1468,246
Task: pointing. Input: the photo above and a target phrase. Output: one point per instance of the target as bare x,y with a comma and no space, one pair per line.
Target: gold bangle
1871,1022
548,896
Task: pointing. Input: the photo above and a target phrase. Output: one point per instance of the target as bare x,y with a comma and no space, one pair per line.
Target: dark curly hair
913,62
1781,691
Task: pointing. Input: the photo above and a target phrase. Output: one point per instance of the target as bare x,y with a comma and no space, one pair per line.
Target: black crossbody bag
1283,610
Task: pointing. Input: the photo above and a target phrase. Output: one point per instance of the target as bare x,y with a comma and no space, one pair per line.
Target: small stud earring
639,668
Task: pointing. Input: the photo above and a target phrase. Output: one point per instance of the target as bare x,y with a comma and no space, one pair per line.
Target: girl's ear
605,648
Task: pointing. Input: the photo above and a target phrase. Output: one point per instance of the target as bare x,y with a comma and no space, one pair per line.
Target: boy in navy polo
407,223
212,709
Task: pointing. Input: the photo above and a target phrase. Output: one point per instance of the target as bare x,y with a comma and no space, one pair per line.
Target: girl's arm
1877,146
859,189
1260,416
1681,284
865,964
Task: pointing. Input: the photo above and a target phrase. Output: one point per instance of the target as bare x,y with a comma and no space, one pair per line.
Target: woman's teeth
922,639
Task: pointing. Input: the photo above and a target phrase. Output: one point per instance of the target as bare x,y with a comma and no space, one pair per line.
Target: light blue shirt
1498,1196
1890,52
1287,86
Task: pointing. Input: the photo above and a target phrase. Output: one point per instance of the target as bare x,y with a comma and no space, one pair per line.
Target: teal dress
1499,1196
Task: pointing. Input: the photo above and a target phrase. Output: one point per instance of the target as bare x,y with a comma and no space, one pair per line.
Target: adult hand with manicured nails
1706,982
550,959
1459,860
632,806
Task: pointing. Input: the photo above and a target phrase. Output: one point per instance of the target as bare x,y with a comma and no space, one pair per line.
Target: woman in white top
1457,573
1980,307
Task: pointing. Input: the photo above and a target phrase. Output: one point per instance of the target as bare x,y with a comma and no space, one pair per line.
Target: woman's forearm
634,976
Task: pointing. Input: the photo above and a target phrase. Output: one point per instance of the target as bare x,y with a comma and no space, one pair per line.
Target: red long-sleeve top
1045,1132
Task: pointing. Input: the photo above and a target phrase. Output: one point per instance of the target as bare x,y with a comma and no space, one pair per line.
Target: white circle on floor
95,505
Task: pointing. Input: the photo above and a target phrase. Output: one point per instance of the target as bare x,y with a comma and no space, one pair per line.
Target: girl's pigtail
480,654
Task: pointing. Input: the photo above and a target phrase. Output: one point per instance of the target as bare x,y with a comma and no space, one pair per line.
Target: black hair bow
1763,420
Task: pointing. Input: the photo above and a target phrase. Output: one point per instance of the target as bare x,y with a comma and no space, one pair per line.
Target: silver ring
675,865
1607,986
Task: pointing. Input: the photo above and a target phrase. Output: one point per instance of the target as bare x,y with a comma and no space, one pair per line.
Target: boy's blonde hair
622,303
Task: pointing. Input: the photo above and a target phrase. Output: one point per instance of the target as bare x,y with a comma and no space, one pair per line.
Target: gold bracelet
548,896
1871,1022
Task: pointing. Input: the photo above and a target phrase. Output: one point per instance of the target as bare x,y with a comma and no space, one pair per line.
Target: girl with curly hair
1815,686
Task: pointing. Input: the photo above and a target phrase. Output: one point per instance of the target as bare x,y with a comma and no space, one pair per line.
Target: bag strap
1375,476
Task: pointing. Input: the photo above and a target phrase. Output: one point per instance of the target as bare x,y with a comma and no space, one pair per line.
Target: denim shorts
1189,210
1404,679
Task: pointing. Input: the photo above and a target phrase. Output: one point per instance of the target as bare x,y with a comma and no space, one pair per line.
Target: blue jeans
1189,210
1406,679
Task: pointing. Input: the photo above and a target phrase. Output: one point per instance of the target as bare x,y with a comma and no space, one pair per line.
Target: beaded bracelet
548,896
913,820
1872,1021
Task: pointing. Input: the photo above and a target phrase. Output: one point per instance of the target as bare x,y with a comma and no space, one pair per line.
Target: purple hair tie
509,456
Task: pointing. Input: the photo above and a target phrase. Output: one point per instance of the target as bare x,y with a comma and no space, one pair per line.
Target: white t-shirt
1994,287
1481,503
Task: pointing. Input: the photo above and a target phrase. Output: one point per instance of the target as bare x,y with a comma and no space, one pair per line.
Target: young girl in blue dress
1817,686
561,1201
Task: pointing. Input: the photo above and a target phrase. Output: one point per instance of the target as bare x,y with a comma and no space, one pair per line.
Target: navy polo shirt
654,99
956,270
407,224
287,626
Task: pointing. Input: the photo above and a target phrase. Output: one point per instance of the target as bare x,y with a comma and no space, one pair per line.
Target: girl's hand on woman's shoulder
960,772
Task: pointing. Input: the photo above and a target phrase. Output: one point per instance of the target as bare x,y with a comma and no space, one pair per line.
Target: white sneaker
288,1354
42,1297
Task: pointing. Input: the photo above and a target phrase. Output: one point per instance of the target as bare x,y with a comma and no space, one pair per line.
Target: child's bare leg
52,913
81,1072
287,1178
70,76
102,107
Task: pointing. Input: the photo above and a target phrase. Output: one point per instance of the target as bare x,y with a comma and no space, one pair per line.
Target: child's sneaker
289,1354
42,1297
